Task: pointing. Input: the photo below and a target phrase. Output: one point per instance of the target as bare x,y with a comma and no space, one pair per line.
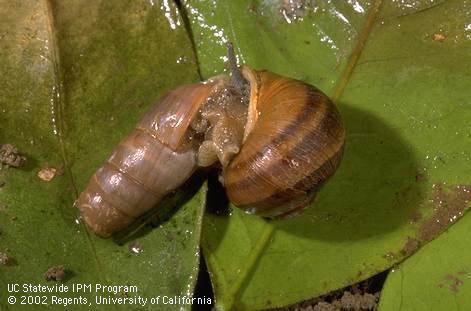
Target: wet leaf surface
397,72
77,75
437,277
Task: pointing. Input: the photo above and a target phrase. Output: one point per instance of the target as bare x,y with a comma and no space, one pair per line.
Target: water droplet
135,247
172,17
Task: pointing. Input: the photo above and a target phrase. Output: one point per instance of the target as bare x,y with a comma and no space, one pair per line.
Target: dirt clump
4,259
55,273
438,37
322,306
358,297
47,173
339,301
358,301
10,156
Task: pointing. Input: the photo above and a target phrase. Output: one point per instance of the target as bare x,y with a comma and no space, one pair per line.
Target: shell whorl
294,143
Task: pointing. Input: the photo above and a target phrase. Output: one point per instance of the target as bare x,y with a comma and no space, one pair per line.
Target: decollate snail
276,140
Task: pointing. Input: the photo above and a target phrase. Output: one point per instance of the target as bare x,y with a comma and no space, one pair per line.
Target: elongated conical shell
156,158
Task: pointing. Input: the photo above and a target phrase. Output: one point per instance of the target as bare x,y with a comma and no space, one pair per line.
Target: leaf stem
181,7
249,266
355,56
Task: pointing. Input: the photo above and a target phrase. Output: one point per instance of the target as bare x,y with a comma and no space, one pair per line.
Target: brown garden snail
276,140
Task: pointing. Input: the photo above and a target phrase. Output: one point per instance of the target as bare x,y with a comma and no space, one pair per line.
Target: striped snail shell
275,139
294,142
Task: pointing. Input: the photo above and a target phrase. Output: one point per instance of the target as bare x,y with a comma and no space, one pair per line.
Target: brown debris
410,247
322,306
449,205
4,259
357,301
346,300
55,273
359,296
452,282
438,37
10,156
47,173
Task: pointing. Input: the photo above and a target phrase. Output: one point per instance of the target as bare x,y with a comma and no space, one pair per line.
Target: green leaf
399,74
77,75
438,277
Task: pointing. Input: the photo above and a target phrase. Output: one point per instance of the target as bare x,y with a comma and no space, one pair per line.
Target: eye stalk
239,84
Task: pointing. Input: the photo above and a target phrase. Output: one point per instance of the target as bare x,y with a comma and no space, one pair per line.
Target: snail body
275,139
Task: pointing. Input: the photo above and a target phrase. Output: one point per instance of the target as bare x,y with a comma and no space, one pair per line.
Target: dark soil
358,297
